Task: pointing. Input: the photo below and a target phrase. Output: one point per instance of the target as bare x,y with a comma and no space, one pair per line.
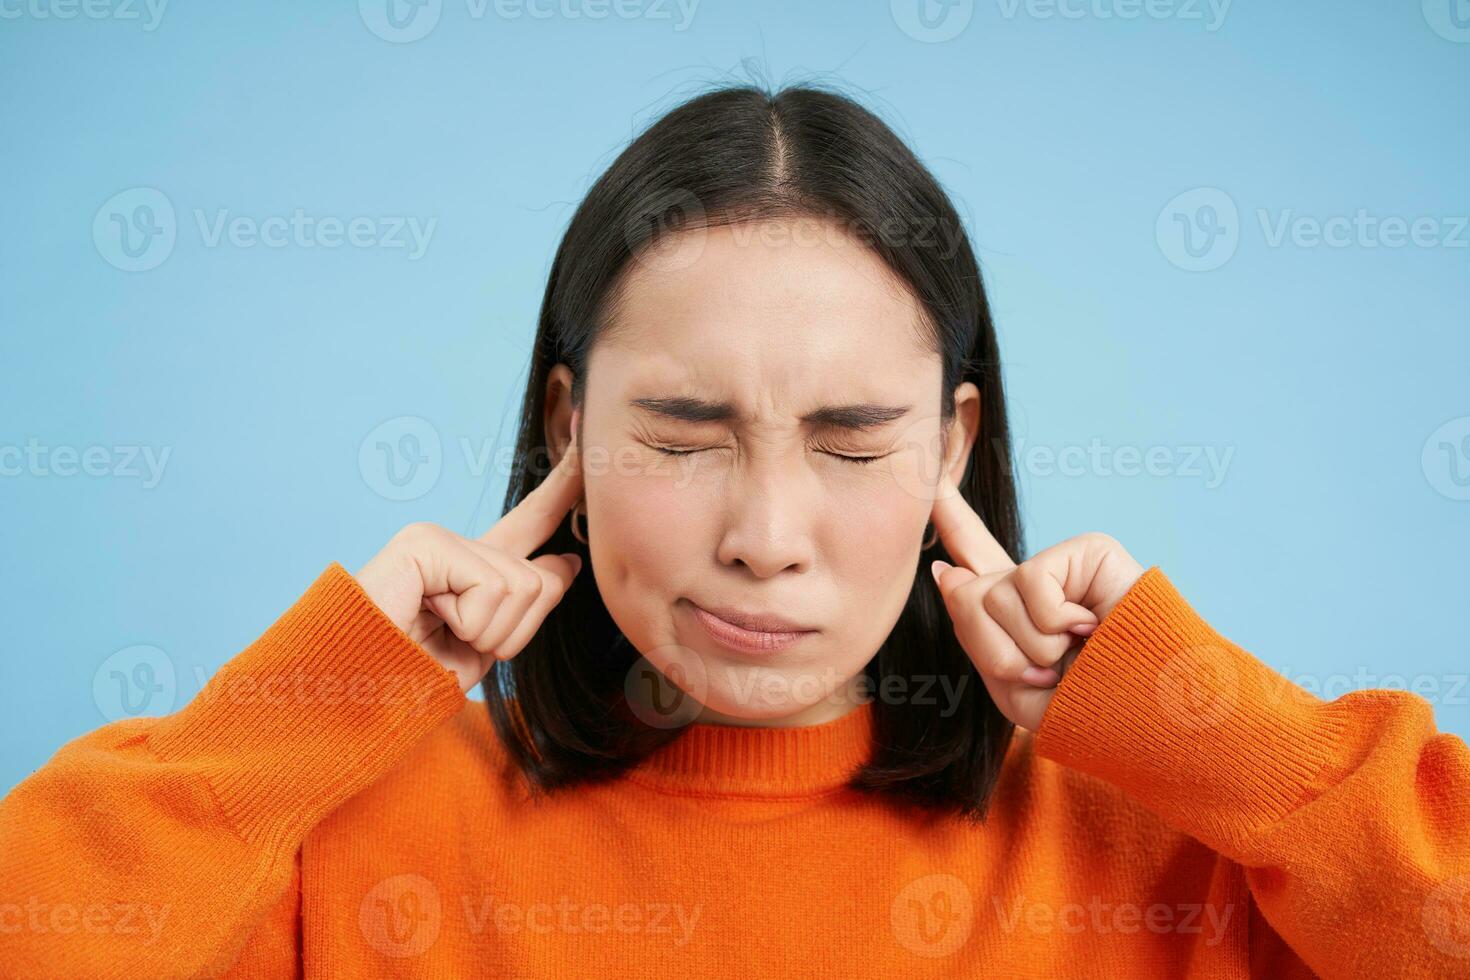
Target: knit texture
331,805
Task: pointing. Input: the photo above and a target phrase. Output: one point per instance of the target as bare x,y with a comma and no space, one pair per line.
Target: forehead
788,309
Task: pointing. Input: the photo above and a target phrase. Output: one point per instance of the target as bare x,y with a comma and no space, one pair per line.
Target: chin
759,693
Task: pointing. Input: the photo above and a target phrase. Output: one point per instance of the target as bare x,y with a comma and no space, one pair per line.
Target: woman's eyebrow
858,416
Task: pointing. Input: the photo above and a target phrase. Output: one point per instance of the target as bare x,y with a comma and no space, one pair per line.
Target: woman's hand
468,601
1020,623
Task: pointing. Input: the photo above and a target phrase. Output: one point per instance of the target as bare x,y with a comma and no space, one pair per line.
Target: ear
963,431
560,418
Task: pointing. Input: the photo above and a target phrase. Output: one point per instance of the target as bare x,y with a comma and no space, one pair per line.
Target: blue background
1332,545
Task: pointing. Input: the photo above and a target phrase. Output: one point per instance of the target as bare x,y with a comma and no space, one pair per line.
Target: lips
757,622
745,640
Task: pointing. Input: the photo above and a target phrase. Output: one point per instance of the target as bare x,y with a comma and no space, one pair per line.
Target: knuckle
1027,574
1006,668
1048,653
533,581
1049,620
496,588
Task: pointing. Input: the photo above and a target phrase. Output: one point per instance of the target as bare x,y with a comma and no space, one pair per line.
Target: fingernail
939,566
1040,676
576,561
1082,629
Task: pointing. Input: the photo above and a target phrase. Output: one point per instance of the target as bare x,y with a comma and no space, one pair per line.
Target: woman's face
777,355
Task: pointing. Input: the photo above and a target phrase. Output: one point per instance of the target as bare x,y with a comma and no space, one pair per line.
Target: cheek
646,526
873,548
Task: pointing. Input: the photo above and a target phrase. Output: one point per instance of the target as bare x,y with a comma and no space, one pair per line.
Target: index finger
531,522
964,533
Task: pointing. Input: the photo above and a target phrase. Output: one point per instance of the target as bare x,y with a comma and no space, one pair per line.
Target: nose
772,511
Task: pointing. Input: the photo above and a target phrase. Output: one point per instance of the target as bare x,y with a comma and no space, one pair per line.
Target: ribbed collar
737,760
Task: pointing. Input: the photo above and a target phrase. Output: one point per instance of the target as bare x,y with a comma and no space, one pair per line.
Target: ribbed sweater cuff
1205,734
325,701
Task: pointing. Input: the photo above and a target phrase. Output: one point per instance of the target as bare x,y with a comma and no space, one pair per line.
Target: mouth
750,632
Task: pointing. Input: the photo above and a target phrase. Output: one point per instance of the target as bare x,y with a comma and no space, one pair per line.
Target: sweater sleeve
1350,818
158,846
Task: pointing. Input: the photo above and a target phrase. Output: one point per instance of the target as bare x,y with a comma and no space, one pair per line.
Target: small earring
583,536
932,539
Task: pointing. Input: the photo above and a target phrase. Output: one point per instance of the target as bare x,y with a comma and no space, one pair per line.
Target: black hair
744,152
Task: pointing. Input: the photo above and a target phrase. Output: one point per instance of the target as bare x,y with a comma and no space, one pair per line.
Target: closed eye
857,460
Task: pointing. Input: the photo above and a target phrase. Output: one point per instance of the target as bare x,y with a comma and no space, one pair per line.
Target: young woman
768,688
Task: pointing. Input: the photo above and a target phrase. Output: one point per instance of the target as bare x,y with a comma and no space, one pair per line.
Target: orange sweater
331,805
